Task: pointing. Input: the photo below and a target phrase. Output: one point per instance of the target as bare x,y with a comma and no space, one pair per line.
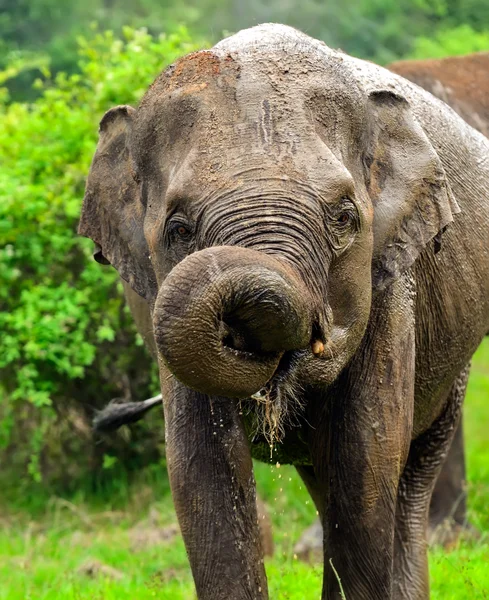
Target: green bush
67,343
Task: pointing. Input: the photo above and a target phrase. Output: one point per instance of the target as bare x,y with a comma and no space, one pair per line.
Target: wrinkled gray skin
280,206
461,82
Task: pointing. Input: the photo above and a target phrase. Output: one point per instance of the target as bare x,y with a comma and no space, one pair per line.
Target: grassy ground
129,549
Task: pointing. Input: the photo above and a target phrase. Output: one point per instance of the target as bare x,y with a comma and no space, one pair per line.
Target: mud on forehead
180,101
192,74
238,107
247,72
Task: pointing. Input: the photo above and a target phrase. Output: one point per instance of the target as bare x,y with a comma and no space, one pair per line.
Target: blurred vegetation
451,42
35,33
68,345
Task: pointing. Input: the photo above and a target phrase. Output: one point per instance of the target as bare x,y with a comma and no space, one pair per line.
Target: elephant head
257,201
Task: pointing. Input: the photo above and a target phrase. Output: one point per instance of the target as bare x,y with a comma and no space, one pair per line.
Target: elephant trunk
225,316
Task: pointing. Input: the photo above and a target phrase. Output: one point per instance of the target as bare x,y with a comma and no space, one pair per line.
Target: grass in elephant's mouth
61,553
278,405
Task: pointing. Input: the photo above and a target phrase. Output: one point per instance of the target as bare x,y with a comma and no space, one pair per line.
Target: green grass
464,572
41,553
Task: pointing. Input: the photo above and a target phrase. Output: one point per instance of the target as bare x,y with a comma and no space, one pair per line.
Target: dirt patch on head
192,74
193,68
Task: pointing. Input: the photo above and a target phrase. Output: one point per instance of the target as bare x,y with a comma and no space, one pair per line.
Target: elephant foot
309,548
448,533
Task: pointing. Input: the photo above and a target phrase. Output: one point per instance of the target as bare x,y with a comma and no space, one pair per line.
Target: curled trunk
225,317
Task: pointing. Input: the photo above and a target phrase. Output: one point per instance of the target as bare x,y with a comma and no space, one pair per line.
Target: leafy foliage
451,42
68,343
381,30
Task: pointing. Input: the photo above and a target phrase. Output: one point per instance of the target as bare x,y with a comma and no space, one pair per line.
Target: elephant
458,81
309,232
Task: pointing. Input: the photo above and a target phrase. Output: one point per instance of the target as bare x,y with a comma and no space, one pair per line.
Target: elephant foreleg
448,506
359,448
211,477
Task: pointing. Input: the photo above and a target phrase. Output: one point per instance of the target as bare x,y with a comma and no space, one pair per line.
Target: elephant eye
182,230
346,215
343,224
179,229
344,218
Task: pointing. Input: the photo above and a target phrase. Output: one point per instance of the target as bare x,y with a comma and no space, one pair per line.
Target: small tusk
317,347
259,395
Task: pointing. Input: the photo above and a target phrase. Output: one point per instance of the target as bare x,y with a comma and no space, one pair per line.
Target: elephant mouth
278,406
285,372
293,362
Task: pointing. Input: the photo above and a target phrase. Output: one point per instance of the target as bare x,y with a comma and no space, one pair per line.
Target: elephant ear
113,214
406,181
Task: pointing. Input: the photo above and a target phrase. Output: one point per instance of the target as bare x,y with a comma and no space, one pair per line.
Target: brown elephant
309,231
460,81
